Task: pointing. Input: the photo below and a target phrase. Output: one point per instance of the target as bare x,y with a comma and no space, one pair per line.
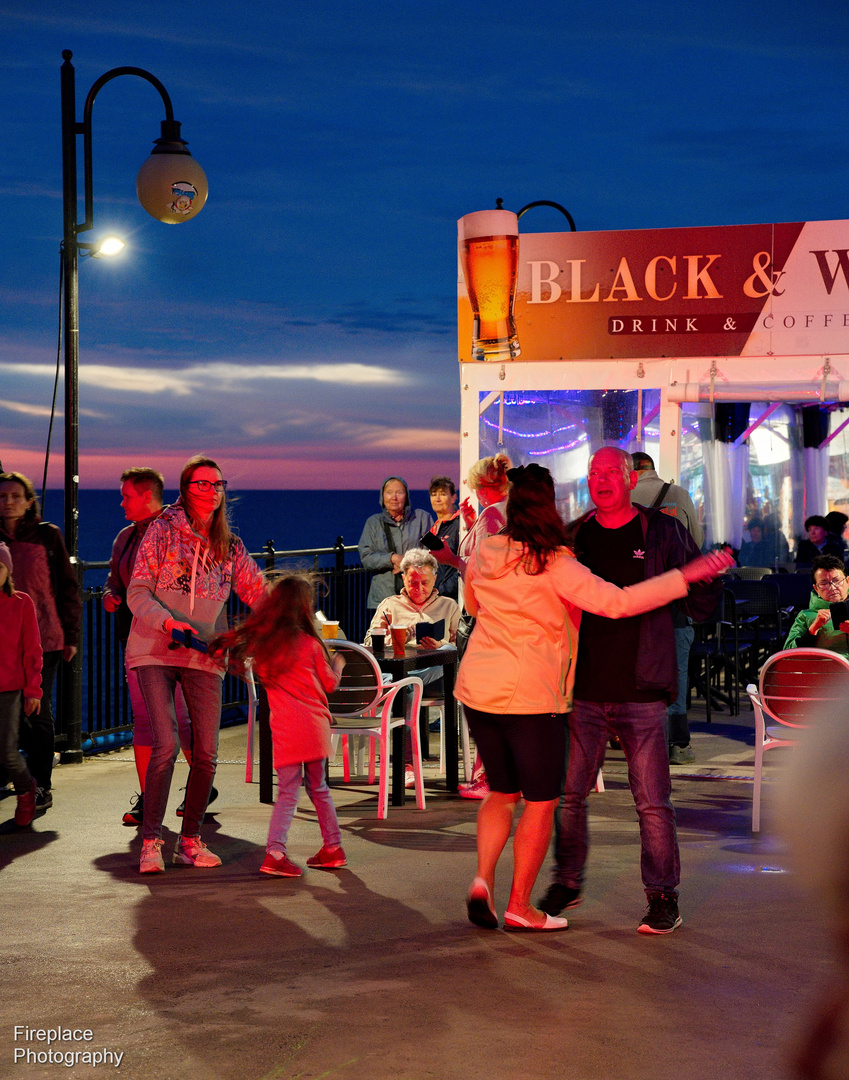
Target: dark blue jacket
668,546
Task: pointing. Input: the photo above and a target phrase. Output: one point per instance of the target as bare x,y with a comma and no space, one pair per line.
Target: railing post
72,694
269,556
342,612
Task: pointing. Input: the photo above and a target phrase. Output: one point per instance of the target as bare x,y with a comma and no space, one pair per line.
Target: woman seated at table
418,602
813,627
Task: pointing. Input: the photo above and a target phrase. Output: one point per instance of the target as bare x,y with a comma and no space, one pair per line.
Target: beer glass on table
489,254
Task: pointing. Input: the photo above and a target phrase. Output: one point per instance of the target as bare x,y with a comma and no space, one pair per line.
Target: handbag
397,579
464,632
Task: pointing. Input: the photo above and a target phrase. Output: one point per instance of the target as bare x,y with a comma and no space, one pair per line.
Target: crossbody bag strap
661,495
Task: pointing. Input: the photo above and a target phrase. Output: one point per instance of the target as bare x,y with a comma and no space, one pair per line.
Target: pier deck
373,972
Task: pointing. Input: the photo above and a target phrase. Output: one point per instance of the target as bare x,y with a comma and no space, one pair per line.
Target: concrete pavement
373,972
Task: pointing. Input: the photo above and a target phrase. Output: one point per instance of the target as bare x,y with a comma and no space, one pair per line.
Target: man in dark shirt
141,500
626,675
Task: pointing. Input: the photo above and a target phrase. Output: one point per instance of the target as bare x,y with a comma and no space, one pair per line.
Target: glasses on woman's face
830,584
209,485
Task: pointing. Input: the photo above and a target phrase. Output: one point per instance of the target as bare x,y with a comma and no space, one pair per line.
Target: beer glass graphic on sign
489,254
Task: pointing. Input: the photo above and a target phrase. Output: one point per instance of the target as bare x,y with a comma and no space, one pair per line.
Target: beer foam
488,223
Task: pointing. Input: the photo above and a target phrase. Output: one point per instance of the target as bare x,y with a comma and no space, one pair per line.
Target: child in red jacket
20,682
296,671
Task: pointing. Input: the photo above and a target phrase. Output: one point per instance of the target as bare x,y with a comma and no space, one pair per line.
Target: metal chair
439,704
736,653
748,573
363,705
791,683
794,591
762,599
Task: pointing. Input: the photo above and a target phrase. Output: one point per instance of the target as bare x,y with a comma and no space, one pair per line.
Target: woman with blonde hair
488,480
184,571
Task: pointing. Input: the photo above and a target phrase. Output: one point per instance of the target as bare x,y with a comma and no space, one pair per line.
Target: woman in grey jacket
388,536
184,571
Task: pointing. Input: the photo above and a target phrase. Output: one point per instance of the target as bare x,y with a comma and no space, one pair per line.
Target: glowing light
108,246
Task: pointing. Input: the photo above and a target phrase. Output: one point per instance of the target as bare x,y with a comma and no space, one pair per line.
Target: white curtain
816,480
726,474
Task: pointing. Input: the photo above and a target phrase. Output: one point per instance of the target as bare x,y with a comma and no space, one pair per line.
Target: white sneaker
151,857
192,851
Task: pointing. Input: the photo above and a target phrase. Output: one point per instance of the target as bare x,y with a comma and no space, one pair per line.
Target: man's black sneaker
135,815
661,915
43,800
558,898
213,795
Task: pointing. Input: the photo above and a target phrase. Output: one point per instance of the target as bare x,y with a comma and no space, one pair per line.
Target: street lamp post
172,187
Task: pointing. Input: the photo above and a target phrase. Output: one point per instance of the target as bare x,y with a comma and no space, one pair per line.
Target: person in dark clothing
141,501
818,542
443,501
44,572
626,676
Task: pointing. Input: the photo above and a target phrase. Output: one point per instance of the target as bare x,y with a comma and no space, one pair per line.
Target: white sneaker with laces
151,861
192,851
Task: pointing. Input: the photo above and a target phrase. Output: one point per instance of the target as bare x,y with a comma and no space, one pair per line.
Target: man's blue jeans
202,690
642,730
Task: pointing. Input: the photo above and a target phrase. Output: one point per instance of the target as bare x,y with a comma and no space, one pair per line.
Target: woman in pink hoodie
185,569
20,682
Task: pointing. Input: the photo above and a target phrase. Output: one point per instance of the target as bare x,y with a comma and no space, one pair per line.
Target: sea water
292,520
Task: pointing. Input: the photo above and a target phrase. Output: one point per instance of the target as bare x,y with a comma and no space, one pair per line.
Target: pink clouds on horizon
243,470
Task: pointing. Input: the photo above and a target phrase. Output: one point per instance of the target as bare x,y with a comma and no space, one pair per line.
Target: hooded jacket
297,697
176,576
521,656
44,572
384,537
20,646
676,502
829,637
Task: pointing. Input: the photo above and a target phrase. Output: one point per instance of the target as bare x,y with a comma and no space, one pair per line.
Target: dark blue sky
302,328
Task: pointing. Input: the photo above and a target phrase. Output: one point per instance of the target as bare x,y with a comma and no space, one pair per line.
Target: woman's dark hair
442,483
220,537
8,586
826,562
269,633
33,512
532,517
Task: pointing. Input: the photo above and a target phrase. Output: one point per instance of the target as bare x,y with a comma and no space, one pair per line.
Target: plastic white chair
792,683
363,704
439,704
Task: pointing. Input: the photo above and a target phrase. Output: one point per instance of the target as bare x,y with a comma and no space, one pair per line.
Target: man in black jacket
626,675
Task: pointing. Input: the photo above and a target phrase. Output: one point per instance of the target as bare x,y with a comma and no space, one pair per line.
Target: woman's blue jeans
642,730
202,691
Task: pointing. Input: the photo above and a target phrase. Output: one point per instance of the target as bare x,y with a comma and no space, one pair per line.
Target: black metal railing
101,719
